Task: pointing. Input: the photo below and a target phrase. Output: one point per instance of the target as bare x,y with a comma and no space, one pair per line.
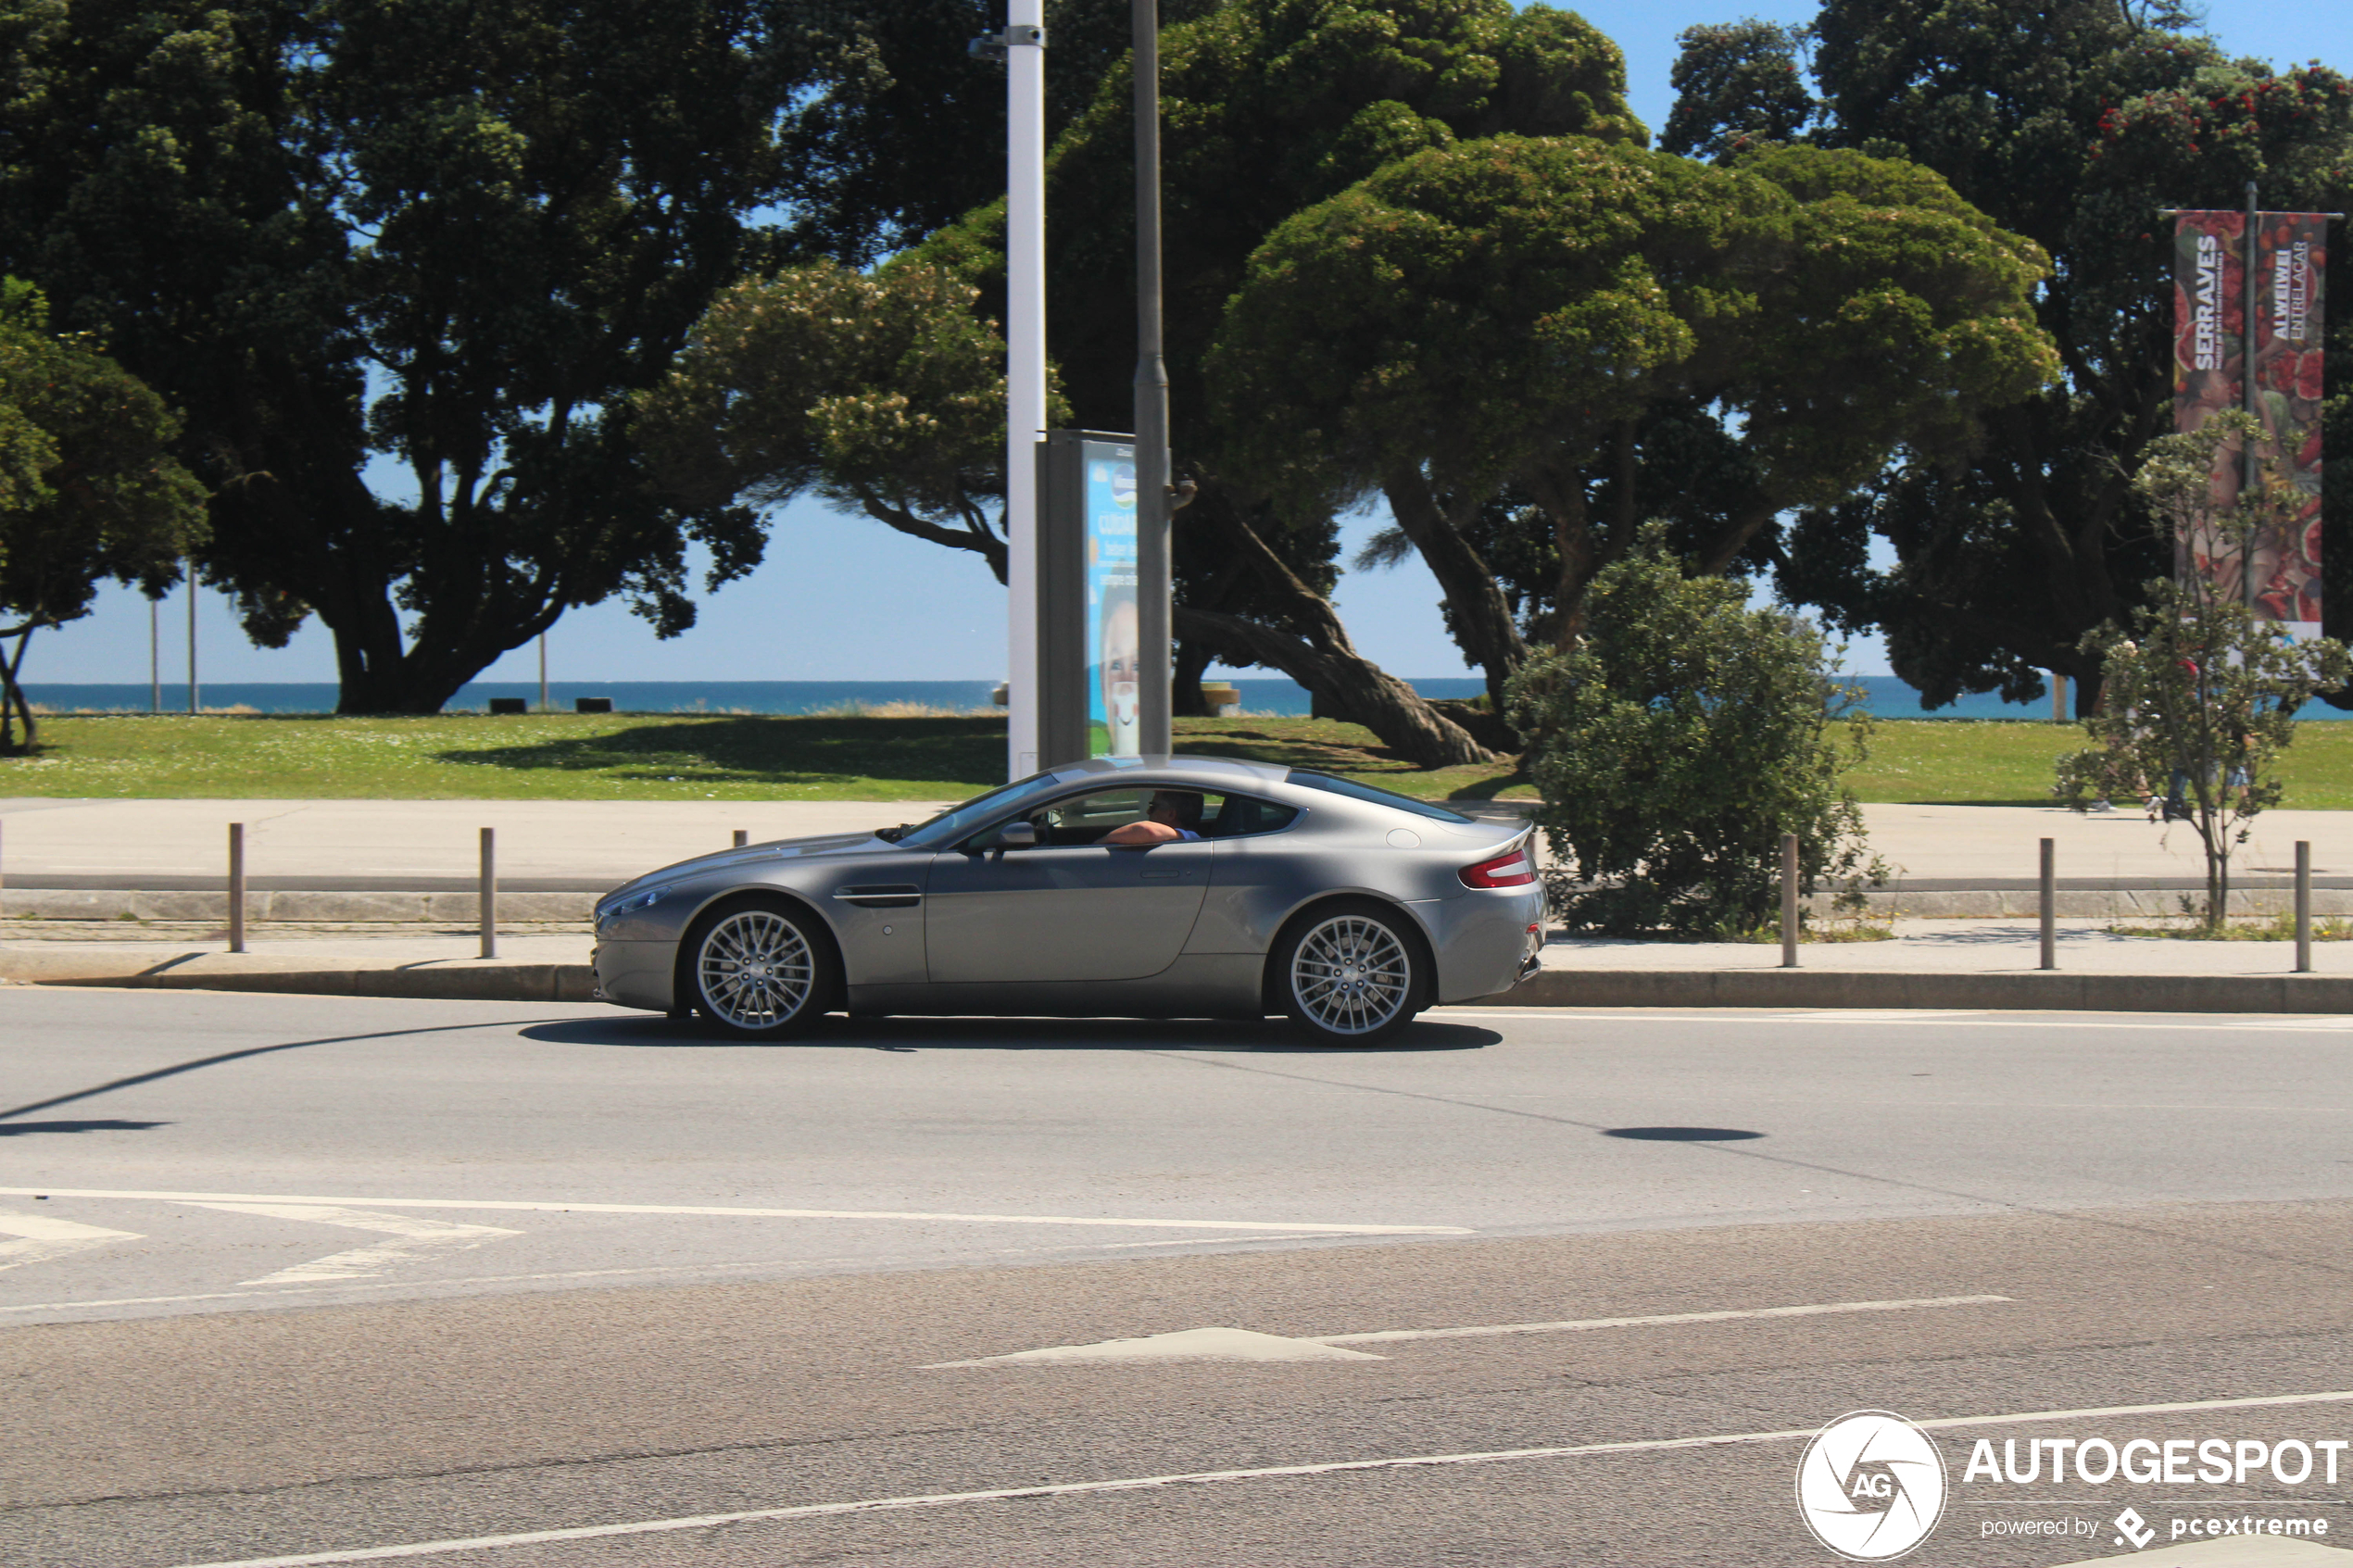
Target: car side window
1244,816
1077,820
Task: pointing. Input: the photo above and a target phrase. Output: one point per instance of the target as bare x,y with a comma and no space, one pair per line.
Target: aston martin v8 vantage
1161,887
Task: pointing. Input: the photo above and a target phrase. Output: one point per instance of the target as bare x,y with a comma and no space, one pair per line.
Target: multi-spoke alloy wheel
757,974
1351,975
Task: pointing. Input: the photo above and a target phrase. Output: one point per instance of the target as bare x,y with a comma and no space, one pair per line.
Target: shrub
1676,741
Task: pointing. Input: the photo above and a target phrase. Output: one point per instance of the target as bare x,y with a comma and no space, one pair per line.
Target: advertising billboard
2215,348
1113,646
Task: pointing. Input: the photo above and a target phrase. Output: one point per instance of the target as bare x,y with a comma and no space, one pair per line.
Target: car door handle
1165,873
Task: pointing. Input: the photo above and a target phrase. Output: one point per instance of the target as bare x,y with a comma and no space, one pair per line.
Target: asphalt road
291,1279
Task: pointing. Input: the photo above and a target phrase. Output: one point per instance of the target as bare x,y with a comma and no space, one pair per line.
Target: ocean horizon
1886,696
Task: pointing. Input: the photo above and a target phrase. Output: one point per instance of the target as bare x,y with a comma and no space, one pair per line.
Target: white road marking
513,1207
607,1274
43,1239
417,1237
1580,1325
1187,1345
1202,1477
1743,1015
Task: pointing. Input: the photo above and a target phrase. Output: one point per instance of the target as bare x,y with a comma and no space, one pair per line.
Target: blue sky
842,598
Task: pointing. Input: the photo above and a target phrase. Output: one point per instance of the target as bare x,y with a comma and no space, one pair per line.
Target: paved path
613,841
297,1278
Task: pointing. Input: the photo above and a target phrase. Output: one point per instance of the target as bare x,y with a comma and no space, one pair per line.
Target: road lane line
515,1207
1580,1324
415,1237
293,1291
43,1239
1203,1477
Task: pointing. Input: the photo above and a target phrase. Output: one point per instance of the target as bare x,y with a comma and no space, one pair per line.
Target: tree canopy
1562,320
455,236
88,488
2069,123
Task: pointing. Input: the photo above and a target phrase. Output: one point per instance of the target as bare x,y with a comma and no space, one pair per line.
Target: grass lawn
733,756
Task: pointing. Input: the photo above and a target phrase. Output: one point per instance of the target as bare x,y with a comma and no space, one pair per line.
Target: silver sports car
1160,886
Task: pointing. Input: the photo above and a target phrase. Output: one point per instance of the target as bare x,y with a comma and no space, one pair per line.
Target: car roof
1169,768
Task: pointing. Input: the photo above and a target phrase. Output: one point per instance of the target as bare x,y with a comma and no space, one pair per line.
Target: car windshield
954,822
1355,791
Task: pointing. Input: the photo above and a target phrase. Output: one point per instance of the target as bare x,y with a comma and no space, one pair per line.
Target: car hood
755,854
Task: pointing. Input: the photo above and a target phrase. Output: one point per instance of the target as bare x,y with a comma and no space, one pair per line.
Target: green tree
2069,123
455,236
2203,694
1677,740
1271,105
88,489
1737,88
1581,326
902,131
881,393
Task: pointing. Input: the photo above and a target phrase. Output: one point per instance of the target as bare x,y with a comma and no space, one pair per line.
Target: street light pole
1152,667
1024,45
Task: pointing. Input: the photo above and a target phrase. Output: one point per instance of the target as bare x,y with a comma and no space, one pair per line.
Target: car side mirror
1017,835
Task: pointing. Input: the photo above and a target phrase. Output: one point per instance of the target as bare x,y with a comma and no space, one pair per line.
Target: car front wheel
1351,974
760,970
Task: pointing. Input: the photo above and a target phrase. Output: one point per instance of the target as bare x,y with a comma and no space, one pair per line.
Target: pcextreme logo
1871,1485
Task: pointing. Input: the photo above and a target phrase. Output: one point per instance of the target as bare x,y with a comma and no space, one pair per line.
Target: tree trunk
1479,614
13,702
1185,699
1320,657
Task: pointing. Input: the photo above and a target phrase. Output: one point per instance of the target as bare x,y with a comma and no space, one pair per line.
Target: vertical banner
2278,577
2289,259
1114,647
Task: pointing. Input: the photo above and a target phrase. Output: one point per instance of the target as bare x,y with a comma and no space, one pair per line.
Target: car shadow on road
19,1129
906,1034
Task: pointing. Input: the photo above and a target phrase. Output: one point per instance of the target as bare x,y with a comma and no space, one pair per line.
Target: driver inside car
1173,815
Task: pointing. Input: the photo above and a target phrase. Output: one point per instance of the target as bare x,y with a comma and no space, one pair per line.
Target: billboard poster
2279,575
1113,643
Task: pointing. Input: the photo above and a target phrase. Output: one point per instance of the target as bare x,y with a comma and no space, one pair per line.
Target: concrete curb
479,980
500,981
2032,991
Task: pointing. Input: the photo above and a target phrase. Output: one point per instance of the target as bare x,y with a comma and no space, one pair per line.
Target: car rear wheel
1352,974
760,970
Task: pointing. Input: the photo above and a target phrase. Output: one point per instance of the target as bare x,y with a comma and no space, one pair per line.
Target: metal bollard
237,887
490,892
2303,906
742,838
1789,901
2050,905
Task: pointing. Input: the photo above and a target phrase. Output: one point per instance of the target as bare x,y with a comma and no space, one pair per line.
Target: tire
1352,974
759,969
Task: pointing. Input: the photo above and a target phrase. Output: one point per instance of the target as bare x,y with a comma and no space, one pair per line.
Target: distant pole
1789,901
490,892
2059,697
543,671
2049,901
237,887
1024,42
2251,456
1152,670
192,636
155,656
2303,906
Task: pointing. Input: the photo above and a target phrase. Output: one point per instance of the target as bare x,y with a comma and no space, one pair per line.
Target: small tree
1675,741
2203,694
88,490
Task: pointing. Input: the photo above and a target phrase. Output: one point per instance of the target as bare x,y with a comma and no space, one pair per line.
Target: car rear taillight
1511,869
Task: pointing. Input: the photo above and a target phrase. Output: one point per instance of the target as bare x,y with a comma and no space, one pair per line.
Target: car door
1066,908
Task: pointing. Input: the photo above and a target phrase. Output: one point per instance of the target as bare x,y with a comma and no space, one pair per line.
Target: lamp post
1023,42
1152,670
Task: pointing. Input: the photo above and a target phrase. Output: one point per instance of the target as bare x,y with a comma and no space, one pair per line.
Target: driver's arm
1145,832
